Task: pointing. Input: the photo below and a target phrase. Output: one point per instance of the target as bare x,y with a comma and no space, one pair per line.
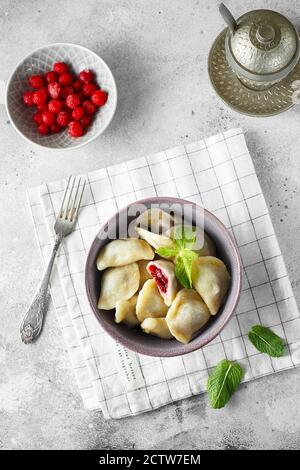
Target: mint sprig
183,267
184,239
167,251
266,341
223,382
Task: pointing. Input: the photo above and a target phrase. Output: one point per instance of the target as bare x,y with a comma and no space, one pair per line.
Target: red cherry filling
160,278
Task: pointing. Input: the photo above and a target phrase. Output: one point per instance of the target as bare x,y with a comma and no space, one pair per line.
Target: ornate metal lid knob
265,33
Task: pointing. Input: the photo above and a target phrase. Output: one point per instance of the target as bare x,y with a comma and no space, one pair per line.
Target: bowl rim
92,138
186,348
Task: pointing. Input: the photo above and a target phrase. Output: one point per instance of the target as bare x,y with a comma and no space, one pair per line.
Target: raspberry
63,99
77,113
85,121
55,106
43,129
66,91
51,77
28,98
40,96
66,79
77,85
89,107
89,88
42,107
36,81
81,96
48,118
63,118
60,67
54,90
75,129
56,128
86,76
38,118
99,97
72,101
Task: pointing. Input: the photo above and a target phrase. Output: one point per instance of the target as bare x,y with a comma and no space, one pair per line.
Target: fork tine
64,197
71,211
65,213
79,200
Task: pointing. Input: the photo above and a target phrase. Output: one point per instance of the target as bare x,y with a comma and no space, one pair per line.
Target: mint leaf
184,236
223,382
167,251
184,257
266,341
183,267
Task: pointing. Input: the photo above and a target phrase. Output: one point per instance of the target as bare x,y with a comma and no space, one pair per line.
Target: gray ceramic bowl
135,339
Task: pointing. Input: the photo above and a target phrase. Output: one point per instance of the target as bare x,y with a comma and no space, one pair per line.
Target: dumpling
187,314
126,312
122,252
117,284
211,280
156,220
150,303
163,272
144,275
154,239
207,249
157,327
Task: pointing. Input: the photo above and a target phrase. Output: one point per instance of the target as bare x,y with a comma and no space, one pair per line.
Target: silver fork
32,323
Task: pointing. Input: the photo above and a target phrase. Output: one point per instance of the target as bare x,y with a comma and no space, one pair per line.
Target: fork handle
32,323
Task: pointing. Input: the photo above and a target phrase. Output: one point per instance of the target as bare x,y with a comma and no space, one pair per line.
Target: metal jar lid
261,45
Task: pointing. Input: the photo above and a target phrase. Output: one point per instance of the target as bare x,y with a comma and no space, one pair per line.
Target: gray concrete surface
157,51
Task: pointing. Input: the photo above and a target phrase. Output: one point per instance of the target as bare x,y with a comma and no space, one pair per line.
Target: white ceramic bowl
41,61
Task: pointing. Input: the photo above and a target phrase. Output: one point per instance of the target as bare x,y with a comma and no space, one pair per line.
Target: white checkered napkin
217,172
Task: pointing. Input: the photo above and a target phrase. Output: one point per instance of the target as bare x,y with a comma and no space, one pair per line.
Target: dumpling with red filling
163,272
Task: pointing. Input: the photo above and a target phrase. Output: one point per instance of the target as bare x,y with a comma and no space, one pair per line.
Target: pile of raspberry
63,99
